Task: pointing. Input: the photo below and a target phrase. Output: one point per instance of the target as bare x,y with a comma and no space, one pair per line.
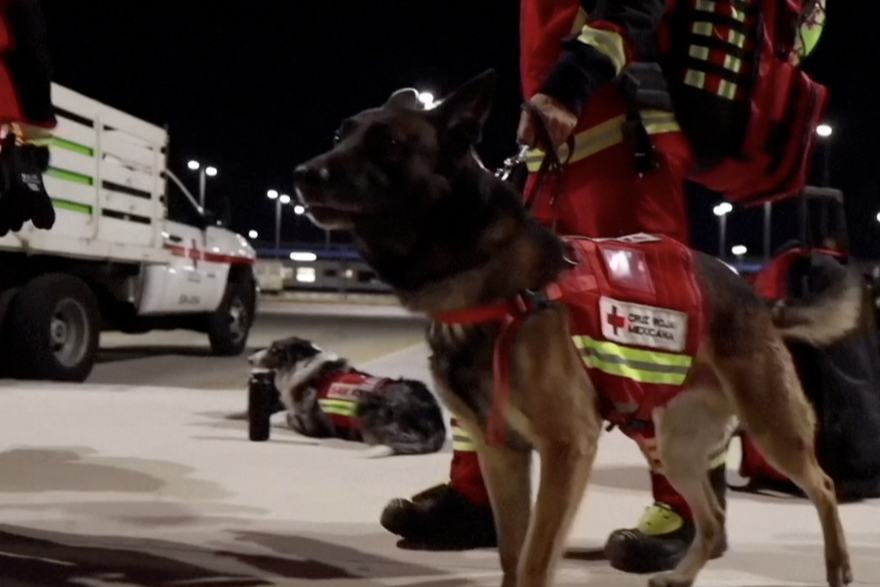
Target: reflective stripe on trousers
604,135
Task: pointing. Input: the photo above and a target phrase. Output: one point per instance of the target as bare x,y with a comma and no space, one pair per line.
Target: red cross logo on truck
195,254
615,320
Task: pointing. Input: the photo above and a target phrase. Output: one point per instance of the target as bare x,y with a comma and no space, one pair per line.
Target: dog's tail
829,316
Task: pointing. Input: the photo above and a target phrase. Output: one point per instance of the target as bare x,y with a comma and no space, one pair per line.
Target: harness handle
551,162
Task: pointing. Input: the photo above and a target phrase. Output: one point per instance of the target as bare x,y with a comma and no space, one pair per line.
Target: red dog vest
637,318
338,398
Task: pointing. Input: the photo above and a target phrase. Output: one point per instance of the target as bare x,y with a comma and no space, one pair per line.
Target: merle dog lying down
325,397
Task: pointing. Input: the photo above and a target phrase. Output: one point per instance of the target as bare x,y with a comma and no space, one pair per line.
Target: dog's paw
378,451
671,579
839,574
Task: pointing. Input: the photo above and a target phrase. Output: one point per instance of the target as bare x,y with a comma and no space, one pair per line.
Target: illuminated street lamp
721,211
204,172
299,210
253,234
427,99
739,251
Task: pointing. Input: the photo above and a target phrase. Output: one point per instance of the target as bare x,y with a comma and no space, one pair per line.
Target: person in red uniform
618,179
26,114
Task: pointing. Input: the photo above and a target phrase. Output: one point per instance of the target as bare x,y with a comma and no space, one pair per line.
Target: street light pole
280,200
204,173
827,178
278,228
721,211
825,131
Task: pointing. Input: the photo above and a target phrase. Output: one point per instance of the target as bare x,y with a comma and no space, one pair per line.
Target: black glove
23,196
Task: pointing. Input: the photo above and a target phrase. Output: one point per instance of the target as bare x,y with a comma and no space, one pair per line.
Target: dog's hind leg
780,421
690,430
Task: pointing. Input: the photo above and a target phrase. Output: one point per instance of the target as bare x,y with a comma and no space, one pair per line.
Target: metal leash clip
512,162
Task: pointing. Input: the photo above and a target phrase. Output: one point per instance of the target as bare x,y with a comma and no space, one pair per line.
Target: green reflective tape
71,206
639,375
638,365
71,176
631,354
73,147
338,407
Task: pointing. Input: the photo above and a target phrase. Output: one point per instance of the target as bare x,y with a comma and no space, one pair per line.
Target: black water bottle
262,398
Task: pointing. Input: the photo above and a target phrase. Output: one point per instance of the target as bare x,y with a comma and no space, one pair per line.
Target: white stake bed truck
130,251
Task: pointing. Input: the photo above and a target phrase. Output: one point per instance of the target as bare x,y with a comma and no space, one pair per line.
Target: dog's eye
382,136
344,130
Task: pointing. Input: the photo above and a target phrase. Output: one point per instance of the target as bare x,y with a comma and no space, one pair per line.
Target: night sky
256,87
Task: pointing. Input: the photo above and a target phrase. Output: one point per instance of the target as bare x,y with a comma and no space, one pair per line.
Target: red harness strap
510,313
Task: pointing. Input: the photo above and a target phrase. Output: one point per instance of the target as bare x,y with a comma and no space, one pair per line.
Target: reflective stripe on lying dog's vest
605,135
338,407
636,364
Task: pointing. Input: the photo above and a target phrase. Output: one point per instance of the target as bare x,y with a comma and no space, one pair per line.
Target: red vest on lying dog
338,398
637,317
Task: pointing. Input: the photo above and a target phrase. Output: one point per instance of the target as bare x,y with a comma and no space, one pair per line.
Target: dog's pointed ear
465,111
403,98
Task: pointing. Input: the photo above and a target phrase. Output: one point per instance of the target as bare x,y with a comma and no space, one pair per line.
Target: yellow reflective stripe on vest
608,43
461,440
635,364
605,135
338,407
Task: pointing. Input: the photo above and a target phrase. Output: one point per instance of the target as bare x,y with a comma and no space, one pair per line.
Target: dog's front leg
565,470
507,473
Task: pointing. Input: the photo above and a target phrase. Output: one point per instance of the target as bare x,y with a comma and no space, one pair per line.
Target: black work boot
441,518
662,536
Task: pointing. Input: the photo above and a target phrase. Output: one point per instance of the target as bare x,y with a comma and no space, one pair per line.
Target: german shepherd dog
396,416
446,234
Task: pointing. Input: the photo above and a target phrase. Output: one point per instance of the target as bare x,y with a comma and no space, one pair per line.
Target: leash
551,164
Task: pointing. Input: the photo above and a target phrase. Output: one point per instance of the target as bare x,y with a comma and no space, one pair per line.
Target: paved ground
183,359
124,485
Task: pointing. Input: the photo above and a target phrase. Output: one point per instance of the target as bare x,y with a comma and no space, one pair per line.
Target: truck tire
54,325
6,297
230,324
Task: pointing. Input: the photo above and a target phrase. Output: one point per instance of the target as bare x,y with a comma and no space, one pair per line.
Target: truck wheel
54,325
6,296
230,324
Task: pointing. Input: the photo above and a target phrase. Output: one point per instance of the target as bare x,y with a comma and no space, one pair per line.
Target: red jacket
25,65
572,54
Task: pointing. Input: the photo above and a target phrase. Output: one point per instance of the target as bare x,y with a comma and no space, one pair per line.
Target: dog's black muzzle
309,178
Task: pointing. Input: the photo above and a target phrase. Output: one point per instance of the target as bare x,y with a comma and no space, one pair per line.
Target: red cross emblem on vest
615,320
